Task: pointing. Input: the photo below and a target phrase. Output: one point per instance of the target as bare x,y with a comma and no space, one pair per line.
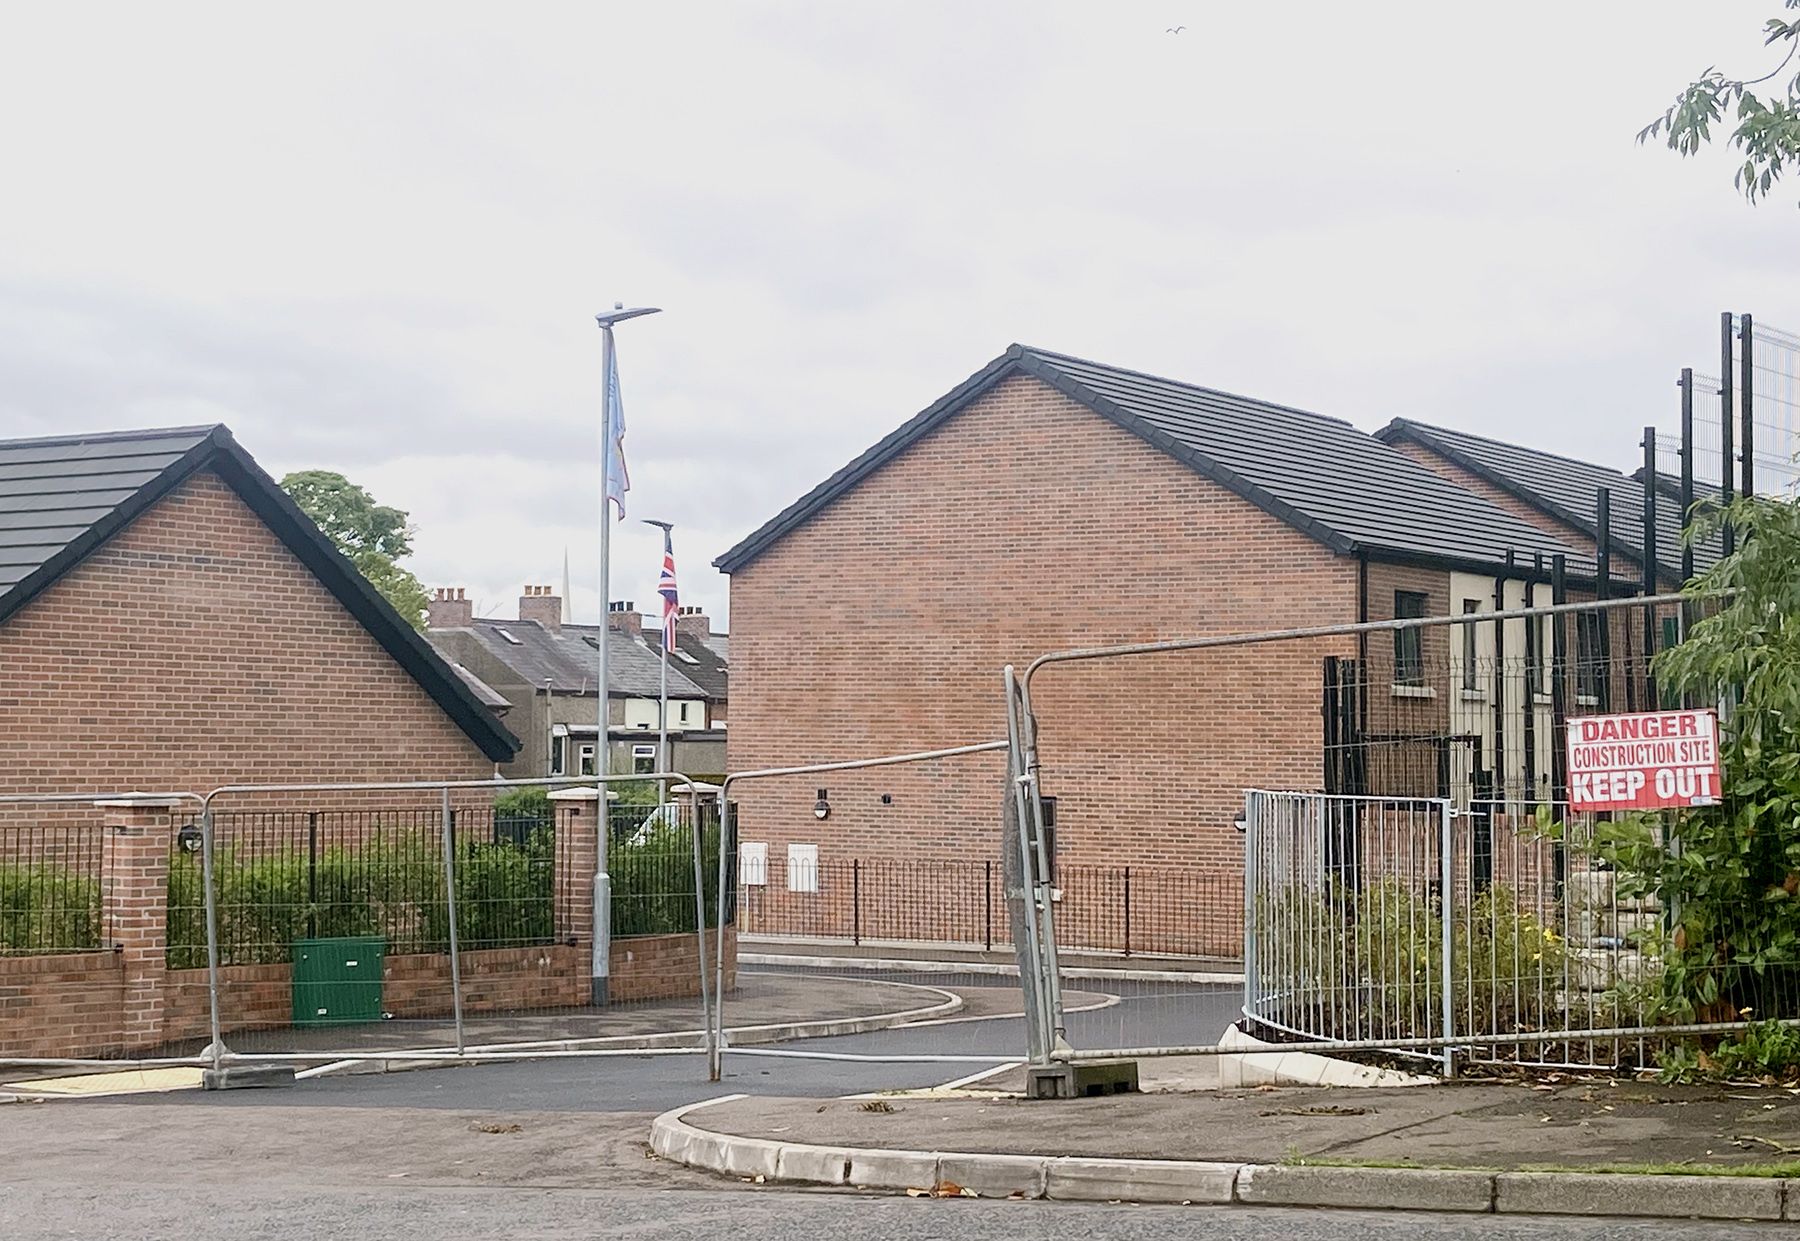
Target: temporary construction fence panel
325,923
1433,889
851,999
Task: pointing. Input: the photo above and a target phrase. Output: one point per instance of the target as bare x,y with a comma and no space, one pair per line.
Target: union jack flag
665,586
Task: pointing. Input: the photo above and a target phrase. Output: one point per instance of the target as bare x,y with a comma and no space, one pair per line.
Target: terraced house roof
1567,489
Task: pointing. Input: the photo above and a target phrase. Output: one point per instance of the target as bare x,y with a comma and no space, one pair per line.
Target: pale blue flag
618,478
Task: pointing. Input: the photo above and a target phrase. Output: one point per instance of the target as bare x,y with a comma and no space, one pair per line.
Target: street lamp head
660,525
618,314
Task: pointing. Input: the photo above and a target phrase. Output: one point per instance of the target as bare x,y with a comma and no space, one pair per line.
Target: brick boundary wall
124,999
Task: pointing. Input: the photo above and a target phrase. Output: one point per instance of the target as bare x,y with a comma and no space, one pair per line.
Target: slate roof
566,660
1320,475
61,498
705,664
1567,489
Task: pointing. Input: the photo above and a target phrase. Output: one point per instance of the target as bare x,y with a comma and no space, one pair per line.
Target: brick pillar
134,900
577,838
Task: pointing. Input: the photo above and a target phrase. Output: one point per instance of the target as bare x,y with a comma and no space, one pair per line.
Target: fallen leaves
943,1189
489,1126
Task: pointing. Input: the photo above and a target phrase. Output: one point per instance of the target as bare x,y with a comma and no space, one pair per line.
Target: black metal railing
284,876
1127,910
50,895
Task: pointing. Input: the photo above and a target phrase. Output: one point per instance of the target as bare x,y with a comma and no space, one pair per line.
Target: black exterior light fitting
189,839
821,808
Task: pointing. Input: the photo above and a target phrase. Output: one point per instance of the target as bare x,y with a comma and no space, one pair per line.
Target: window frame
1590,676
1409,643
1470,659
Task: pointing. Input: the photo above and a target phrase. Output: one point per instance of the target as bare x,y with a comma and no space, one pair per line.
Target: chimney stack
540,605
693,621
448,609
624,616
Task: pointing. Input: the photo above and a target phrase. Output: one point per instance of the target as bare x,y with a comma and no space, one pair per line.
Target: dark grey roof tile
1567,489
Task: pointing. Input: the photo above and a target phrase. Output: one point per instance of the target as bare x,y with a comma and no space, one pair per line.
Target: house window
1534,653
684,712
584,754
1409,657
643,759
559,754
1590,667
1470,680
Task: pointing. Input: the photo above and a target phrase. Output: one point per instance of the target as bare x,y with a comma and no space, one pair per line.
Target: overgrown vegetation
1730,873
1379,970
47,908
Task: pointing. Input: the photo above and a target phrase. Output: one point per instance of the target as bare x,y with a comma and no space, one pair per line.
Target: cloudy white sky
371,237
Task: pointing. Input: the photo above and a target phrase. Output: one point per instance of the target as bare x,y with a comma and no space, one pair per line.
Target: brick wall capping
581,794
142,801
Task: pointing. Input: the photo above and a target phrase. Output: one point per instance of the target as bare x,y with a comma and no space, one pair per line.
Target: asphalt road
247,1212
1146,1013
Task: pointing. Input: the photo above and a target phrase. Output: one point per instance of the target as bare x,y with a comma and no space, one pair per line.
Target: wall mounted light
189,839
821,808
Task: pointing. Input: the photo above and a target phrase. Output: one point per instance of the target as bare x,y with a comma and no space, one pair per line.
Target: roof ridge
1414,423
104,437
1191,387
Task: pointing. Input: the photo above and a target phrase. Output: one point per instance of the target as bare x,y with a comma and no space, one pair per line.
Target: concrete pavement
1603,1148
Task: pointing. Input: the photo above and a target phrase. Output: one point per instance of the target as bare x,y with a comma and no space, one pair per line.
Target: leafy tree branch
1765,124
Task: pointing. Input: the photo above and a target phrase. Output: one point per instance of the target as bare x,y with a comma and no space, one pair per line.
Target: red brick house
1049,502
170,619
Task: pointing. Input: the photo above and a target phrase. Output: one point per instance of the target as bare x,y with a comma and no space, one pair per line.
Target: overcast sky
371,237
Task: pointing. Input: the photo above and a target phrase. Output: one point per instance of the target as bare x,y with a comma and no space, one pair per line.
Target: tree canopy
373,536
1766,123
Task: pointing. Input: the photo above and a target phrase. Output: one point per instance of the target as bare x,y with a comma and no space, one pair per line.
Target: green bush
391,885
46,908
531,802
653,881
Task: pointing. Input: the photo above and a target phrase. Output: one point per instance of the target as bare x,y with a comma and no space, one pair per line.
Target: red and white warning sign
1643,761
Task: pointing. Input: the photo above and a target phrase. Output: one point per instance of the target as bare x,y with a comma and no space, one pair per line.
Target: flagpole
601,966
665,760
662,727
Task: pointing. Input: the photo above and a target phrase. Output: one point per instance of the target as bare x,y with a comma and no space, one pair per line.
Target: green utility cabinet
337,982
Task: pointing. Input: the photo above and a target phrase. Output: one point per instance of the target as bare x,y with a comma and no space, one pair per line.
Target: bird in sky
1175,29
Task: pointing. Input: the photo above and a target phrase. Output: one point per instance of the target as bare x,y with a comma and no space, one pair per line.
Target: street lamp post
612,425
